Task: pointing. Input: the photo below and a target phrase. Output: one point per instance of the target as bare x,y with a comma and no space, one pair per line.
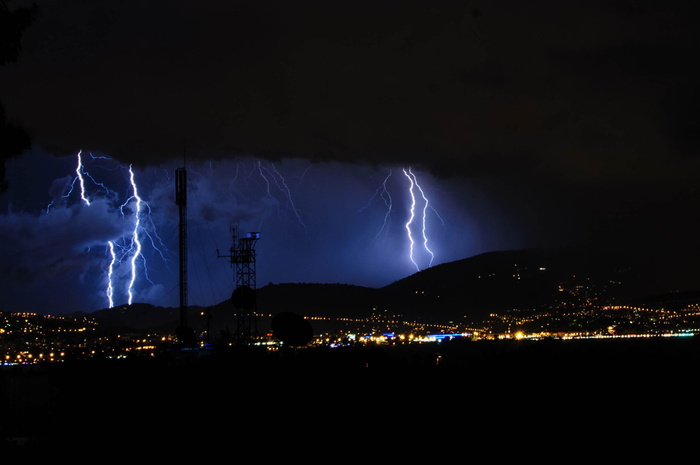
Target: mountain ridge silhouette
464,289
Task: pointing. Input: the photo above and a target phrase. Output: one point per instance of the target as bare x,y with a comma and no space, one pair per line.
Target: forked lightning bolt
79,172
110,271
384,194
414,185
122,248
136,241
281,184
414,213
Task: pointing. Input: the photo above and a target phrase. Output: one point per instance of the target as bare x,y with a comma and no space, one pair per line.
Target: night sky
525,124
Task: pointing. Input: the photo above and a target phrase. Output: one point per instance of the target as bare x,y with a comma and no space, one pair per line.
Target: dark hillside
470,289
503,280
340,300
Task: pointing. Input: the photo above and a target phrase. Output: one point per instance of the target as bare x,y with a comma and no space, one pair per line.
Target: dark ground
245,394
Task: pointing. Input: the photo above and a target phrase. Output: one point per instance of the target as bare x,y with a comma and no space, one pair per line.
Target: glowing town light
110,271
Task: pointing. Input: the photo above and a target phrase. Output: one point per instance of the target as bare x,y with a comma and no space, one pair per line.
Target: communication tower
184,333
242,256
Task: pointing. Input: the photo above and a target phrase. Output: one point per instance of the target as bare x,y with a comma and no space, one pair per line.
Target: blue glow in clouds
315,220
126,250
384,194
281,184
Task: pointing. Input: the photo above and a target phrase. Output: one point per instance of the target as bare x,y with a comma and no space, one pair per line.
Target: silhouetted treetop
14,139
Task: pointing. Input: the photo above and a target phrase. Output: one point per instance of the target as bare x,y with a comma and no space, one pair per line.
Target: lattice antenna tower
184,333
242,256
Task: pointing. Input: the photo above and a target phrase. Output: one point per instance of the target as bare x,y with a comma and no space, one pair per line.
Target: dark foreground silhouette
249,392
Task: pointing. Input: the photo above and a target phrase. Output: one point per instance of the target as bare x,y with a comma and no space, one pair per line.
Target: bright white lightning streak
414,183
80,176
110,289
425,210
135,235
410,220
135,247
79,172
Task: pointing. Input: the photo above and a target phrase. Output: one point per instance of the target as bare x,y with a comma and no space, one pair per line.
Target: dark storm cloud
55,243
459,87
555,122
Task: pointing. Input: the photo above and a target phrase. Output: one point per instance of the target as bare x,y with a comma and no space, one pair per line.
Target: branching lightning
123,248
419,207
110,272
384,194
281,183
79,171
124,262
410,220
414,181
136,241
414,185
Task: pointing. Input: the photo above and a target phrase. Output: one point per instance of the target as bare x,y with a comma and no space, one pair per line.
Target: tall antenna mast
184,332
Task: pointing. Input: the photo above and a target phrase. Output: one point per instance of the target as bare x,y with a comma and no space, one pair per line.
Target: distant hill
470,288
319,299
136,317
502,280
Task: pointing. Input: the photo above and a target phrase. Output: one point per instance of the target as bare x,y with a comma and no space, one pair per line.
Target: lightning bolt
410,220
425,214
267,181
79,171
128,247
110,288
384,194
135,239
281,184
414,185
419,208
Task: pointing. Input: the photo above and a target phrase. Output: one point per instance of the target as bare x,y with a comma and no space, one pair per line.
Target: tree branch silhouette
13,138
